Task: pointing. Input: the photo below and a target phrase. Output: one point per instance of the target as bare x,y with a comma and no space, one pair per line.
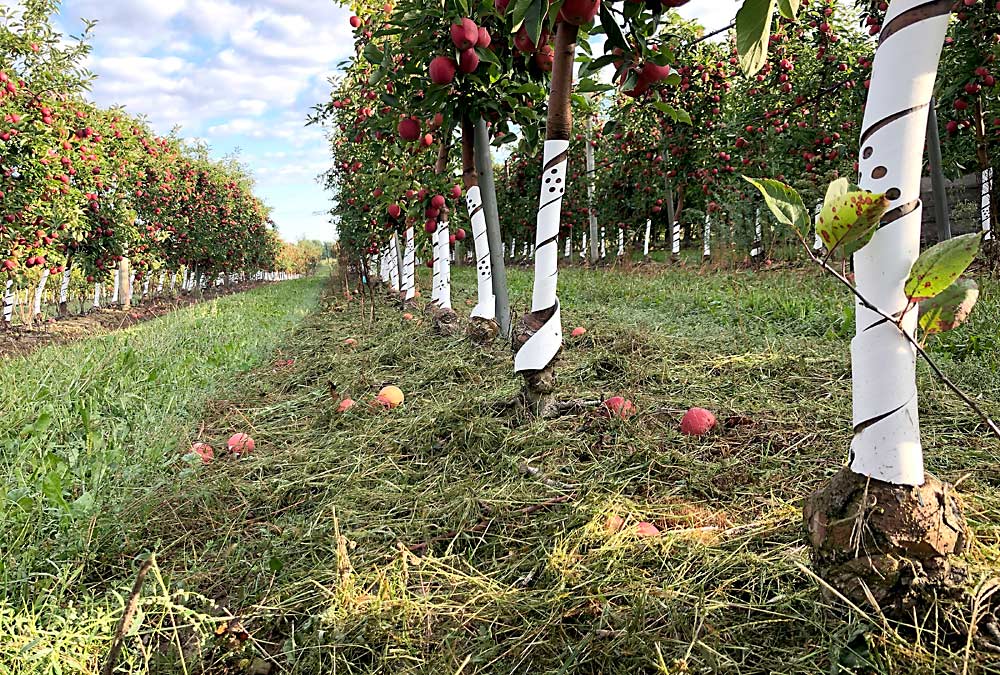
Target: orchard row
681,134
85,188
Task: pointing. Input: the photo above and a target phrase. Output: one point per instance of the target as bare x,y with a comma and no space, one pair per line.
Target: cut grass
309,540
92,425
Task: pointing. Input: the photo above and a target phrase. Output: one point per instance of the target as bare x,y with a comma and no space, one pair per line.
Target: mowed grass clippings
454,535
97,424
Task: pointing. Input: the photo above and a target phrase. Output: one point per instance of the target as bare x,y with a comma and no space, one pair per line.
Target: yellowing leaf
940,265
949,309
848,219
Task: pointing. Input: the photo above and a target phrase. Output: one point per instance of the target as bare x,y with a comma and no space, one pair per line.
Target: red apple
442,70
465,34
697,422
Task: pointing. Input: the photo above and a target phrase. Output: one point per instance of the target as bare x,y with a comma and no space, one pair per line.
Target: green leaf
939,266
676,114
784,202
849,218
588,86
753,30
52,488
950,308
612,30
373,54
789,9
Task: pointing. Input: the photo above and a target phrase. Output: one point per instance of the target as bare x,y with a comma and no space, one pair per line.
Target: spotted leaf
949,309
939,266
849,217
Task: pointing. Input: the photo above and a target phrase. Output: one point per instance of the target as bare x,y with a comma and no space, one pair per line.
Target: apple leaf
940,265
615,37
789,8
676,114
753,31
849,218
784,202
950,308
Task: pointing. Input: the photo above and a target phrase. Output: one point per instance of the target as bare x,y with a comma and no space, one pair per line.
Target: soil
22,340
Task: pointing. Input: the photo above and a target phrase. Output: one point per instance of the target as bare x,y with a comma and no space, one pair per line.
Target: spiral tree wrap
886,443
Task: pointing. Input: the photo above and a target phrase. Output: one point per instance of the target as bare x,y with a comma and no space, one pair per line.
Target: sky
242,75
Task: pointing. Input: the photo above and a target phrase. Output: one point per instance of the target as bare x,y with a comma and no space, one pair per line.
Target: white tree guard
568,247
145,287
64,286
604,243
97,295
36,304
758,238
116,286
706,237
159,286
542,347
817,240
527,249
886,443
409,266
394,263
8,301
645,239
486,300
173,281
583,246
675,246
987,192
621,242
444,264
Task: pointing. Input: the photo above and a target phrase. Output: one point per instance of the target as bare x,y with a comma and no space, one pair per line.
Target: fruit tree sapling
591,211
540,337
487,190
886,443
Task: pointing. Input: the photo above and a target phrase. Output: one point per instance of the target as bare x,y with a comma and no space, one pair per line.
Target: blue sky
242,74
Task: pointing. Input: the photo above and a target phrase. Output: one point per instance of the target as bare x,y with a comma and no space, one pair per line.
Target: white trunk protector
486,300
64,287
409,269
817,240
645,240
568,247
97,295
758,240
675,246
987,206
583,246
886,443
394,263
116,287
36,305
543,346
621,242
707,238
8,301
604,243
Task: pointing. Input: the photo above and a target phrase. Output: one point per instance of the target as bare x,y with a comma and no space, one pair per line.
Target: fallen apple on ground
697,422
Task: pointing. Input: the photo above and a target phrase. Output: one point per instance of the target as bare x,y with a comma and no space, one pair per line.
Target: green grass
307,540
90,426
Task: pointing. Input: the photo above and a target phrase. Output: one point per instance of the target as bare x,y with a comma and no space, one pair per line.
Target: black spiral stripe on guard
886,121
861,426
895,214
928,10
551,240
475,212
561,157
